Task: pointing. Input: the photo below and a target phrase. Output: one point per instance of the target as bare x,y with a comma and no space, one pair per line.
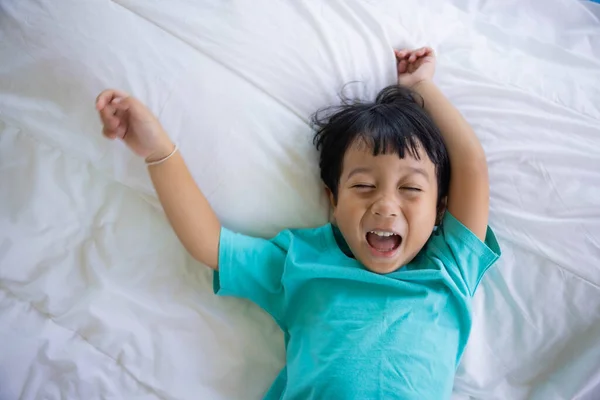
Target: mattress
98,300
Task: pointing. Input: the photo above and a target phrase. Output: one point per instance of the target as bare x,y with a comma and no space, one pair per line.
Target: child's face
385,194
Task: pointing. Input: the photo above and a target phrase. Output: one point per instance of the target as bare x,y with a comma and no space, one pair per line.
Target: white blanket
99,300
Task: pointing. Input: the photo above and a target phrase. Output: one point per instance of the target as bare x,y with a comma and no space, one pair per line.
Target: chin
383,267
381,262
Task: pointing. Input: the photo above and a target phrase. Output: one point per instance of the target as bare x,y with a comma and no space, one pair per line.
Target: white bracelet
162,160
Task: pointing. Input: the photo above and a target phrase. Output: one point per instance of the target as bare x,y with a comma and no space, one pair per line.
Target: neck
341,242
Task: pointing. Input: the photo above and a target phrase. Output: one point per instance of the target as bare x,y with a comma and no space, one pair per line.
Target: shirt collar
341,242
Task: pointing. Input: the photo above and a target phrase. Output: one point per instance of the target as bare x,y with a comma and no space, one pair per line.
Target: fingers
108,117
402,66
422,51
109,134
400,54
118,132
112,106
108,96
113,120
419,53
411,56
121,129
122,104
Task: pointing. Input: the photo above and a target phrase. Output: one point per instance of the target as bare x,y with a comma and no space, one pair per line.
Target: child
375,305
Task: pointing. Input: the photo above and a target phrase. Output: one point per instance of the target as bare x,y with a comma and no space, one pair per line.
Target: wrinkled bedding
99,300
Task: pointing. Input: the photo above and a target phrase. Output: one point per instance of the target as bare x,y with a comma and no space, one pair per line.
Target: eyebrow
420,171
411,171
359,170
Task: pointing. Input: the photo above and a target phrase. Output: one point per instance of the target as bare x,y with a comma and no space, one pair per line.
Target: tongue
383,243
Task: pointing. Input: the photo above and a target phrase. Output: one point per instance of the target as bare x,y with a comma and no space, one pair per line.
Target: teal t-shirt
354,334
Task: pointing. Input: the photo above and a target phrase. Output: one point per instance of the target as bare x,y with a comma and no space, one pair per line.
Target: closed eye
363,186
411,189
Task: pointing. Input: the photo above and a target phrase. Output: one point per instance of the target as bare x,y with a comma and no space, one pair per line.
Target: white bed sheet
99,300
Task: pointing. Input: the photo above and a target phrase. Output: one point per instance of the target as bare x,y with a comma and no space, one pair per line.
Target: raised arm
188,211
468,198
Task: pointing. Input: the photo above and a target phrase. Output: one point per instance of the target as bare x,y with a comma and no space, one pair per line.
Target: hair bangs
395,123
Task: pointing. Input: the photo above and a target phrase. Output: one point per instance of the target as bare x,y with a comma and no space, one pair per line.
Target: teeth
382,233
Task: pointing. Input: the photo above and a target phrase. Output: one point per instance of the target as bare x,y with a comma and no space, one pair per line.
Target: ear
441,210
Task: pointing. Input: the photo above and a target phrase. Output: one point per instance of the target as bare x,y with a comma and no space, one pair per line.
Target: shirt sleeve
252,268
464,255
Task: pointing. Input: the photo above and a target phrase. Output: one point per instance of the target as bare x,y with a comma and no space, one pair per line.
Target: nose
385,207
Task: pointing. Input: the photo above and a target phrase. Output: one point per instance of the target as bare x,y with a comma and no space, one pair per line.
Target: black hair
395,122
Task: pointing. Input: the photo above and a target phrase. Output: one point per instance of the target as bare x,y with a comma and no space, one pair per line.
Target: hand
126,118
415,66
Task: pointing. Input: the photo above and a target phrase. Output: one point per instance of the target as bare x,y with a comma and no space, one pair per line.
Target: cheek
346,211
348,214
348,203
421,214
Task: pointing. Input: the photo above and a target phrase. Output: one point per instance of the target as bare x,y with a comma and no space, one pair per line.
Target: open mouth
383,243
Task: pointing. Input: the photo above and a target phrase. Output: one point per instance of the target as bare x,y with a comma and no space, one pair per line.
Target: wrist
161,151
423,83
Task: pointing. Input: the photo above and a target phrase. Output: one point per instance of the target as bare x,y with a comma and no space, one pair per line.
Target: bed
98,300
